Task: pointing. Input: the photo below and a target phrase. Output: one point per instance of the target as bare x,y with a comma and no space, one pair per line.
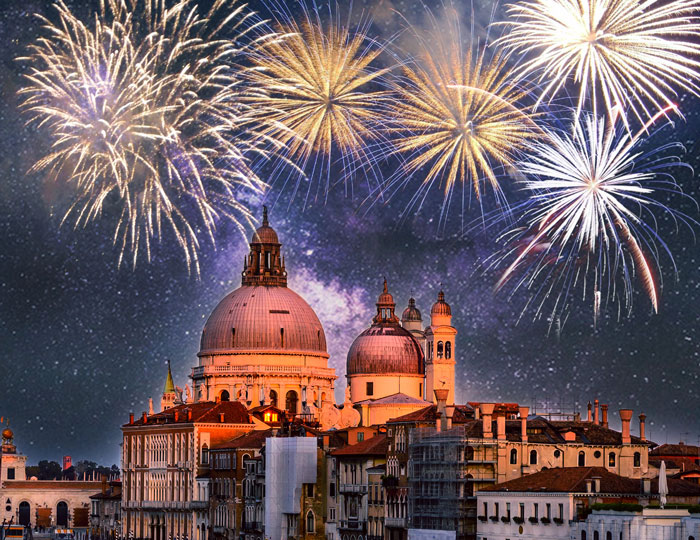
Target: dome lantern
264,265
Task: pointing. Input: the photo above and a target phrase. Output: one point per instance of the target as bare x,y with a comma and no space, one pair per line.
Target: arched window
583,535
224,396
513,457
439,349
62,514
273,398
637,459
205,455
533,457
608,535
611,459
310,522
596,536
582,459
25,514
291,402
448,349
691,538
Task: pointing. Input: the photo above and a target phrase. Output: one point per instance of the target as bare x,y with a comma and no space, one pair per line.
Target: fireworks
586,225
456,118
630,53
144,112
318,94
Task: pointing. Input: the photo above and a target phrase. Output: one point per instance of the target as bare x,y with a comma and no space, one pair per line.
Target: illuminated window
611,459
513,457
637,459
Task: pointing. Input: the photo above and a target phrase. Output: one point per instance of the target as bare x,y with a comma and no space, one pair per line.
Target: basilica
264,345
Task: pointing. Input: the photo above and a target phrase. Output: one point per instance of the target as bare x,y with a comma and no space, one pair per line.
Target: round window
8,508
557,453
596,454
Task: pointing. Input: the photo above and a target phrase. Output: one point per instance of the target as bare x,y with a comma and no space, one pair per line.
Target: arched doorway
273,398
24,513
225,396
62,514
291,402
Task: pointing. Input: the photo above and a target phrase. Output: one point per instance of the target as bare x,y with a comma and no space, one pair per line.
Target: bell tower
440,351
168,399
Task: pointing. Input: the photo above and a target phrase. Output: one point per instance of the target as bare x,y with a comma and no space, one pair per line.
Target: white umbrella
663,484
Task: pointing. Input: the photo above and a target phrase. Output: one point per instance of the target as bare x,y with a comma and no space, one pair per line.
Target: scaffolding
446,468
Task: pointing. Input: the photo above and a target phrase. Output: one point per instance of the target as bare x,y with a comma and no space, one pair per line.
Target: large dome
385,349
262,318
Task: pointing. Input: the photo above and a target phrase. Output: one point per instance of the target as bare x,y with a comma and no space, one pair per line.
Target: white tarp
430,534
290,462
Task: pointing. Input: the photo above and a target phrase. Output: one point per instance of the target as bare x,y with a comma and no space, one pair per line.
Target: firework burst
455,118
632,54
317,93
144,111
592,218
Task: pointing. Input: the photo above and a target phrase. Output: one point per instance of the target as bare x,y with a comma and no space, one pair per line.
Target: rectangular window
309,490
522,510
370,388
331,514
549,511
10,473
561,511
486,509
360,436
508,510
536,511
331,489
496,510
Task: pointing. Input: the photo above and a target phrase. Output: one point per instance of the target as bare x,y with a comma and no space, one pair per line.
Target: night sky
83,342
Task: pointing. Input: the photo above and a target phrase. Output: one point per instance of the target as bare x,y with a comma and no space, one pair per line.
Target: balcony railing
353,488
352,525
397,523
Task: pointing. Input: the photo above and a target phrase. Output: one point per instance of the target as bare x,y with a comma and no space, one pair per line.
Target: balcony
353,488
352,525
396,523
198,505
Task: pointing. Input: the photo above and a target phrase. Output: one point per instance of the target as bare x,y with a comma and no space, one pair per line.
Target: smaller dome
385,297
411,313
441,307
7,433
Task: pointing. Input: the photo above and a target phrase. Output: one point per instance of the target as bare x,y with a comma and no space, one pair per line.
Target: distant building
43,503
105,512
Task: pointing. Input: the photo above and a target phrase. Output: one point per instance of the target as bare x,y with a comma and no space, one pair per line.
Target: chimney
221,418
438,422
596,412
589,411
486,412
441,399
501,428
523,411
626,416
646,485
449,413
604,408
596,484
642,433
103,478
589,485
131,418
144,417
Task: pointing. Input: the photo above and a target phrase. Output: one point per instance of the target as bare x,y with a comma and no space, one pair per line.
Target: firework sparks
456,118
144,112
633,54
586,226
318,95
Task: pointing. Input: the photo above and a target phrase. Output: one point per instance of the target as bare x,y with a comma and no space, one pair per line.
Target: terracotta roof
203,412
573,480
462,414
253,439
64,485
394,399
688,450
376,446
500,408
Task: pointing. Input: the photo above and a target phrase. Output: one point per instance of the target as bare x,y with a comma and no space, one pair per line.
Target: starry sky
84,342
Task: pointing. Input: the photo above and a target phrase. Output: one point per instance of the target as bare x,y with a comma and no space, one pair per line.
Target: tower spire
265,223
169,384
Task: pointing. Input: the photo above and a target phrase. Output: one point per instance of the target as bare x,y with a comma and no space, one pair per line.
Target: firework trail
634,55
144,110
455,117
319,95
592,217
